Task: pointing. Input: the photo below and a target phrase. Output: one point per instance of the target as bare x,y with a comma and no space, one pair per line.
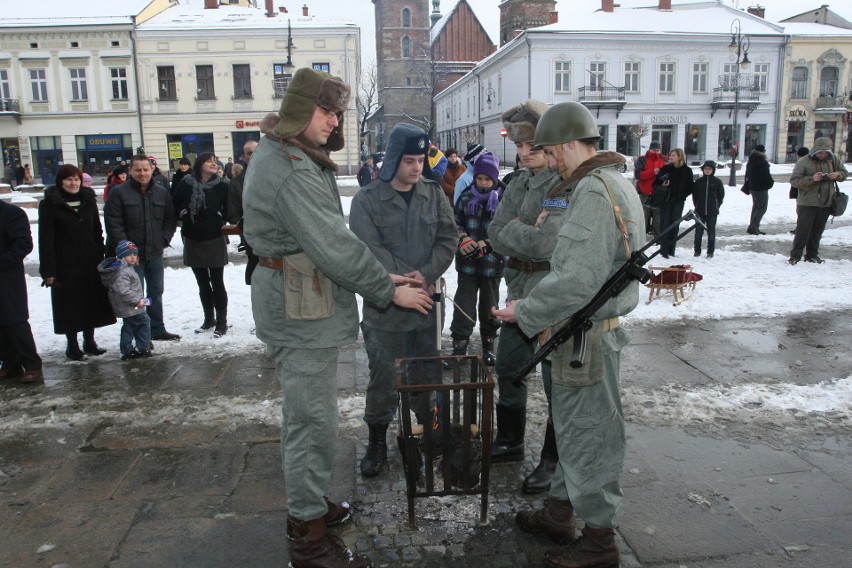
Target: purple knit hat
486,163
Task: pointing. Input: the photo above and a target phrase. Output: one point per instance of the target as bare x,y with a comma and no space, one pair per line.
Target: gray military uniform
303,313
513,233
587,412
419,235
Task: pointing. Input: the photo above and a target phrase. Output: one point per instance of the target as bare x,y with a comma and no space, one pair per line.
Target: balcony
603,97
11,107
726,97
829,105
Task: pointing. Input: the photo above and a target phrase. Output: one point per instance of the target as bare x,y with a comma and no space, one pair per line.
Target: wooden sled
680,280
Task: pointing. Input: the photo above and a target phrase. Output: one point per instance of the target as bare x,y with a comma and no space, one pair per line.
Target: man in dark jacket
759,183
141,211
707,196
17,347
366,172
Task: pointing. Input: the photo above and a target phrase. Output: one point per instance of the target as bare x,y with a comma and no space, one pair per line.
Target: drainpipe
136,81
779,112
529,65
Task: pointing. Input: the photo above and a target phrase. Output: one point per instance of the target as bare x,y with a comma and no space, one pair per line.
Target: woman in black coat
71,244
677,177
201,202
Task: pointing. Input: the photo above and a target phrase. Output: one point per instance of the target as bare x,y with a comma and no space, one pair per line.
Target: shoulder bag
838,206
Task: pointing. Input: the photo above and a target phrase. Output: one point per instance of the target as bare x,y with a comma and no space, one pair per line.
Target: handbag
838,207
659,195
746,188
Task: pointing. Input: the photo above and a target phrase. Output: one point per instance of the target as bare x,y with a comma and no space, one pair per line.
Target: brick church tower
517,15
403,66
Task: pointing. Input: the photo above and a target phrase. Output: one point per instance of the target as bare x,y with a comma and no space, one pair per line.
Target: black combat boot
73,350
596,548
488,350
511,426
221,323
539,480
555,519
377,451
459,348
313,547
90,346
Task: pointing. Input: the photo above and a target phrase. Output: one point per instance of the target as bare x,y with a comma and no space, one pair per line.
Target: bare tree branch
367,100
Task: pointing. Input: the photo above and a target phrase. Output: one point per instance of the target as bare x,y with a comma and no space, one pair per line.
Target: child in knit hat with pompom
480,268
128,300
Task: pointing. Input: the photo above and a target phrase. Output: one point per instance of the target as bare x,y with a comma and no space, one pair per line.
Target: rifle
580,322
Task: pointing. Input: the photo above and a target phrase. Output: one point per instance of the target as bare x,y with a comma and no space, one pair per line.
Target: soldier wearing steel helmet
603,225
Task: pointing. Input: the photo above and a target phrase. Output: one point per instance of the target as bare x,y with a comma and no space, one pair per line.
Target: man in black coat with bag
759,182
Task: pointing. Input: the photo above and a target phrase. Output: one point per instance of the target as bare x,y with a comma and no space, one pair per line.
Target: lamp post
739,45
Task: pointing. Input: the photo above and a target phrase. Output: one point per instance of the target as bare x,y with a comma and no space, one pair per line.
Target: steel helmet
563,123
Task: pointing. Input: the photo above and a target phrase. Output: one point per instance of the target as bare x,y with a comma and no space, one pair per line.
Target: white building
662,73
68,83
208,75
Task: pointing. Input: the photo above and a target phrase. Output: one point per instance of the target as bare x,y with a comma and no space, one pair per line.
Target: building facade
683,89
68,85
209,75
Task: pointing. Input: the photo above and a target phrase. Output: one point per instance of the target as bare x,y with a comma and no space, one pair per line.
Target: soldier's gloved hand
468,247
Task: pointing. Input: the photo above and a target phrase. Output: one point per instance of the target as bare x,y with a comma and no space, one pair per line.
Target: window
799,83
166,82
406,47
406,18
699,77
281,78
75,44
118,76
562,76
38,82
631,76
242,81
761,77
79,91
828,82
204,82
326,67
729,75
5,89
667,77
597,74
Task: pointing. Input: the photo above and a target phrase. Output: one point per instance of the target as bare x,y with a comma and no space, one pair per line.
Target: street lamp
739,45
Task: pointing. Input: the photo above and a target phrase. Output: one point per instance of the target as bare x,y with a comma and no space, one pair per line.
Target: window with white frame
799,83
729,75
631,76
761,77
38,82
5,88
562,76
699,76
597,75
79,89
828,82
118,78
166,83
667,77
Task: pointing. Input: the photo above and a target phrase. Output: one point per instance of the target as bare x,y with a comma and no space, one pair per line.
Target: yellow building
207,76
815,90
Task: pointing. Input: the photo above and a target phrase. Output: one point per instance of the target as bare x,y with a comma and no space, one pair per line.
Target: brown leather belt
528,265
273,263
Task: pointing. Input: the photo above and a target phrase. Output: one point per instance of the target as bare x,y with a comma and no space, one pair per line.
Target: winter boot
596,548
509,443
91,346
555,519
221,323
459,348
313,547
539,480
377,451
209,321
488,350
73,351
337,514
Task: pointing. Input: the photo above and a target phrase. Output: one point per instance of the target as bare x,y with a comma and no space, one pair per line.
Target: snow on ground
737,282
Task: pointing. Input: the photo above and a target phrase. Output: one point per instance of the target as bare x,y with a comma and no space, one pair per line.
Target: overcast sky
362,11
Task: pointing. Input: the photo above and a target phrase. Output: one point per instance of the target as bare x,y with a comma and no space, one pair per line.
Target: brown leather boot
313,547
596,548
337,514
555,519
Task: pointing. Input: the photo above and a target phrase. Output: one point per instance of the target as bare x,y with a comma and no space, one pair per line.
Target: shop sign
248,123
175,150
797,113
105,142
669,119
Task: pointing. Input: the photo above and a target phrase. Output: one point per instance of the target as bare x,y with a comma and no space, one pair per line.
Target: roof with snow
231,17
440,24
29,13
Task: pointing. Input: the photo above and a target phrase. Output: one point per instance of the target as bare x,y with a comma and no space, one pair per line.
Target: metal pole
732,181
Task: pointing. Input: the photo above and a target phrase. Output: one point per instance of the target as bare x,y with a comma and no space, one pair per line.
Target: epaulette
294,157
